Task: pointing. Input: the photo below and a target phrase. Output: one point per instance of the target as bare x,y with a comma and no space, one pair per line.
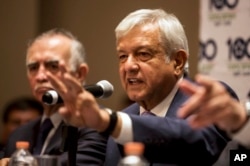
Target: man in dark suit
152,50
44,55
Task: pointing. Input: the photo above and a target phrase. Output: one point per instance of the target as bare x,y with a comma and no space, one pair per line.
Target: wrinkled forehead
51,42
54,47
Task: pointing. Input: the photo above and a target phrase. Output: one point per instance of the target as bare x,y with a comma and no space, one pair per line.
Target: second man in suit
43,56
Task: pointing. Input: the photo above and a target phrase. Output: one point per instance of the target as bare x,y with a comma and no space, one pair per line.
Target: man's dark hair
22,104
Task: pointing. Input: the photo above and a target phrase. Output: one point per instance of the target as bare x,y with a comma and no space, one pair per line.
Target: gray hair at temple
78,54
173,36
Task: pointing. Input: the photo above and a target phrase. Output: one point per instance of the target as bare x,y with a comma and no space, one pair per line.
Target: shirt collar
55,118
162,108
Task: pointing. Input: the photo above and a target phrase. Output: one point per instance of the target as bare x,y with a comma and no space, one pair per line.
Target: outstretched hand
80,108
210,103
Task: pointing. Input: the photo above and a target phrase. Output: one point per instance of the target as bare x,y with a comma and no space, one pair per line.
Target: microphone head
102,89
51,97
107,88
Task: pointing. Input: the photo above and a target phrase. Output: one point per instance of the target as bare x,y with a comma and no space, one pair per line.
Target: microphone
102,89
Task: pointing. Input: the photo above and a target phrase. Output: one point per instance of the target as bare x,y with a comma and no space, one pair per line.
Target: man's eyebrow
49,61
31,63
52,61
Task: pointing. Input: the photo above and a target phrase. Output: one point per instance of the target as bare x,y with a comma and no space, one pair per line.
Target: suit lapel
177,102
133,109
32,136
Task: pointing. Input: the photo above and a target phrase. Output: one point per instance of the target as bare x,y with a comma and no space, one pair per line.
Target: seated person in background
18,112
152,49
210,103
43,56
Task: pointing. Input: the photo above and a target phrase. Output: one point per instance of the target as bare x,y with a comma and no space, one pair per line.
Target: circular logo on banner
208,50
239,48
220,4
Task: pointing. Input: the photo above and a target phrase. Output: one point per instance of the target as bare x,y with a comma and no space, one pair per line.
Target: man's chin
39,97
134,97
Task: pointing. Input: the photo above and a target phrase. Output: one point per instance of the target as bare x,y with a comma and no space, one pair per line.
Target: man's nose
41,74
131,64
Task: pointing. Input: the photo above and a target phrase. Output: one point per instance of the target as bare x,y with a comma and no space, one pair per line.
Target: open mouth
133,81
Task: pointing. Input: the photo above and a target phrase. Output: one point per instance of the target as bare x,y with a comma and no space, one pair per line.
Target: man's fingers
62,67
188,107
73,118
205,81
192,104
187,87
73,83
200,94
57,84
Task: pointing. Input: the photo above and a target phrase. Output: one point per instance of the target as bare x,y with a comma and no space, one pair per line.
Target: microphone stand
69,143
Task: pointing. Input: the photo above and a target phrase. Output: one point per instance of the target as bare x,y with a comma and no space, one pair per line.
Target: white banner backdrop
225,43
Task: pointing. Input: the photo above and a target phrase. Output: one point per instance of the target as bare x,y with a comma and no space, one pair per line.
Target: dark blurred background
93,22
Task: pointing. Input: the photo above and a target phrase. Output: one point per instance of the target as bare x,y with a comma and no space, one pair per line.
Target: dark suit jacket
91,146
170,140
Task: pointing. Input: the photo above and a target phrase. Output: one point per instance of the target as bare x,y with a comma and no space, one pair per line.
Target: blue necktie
43,133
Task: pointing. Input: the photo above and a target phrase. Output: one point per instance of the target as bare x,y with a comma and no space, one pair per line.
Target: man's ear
180,59
82,72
